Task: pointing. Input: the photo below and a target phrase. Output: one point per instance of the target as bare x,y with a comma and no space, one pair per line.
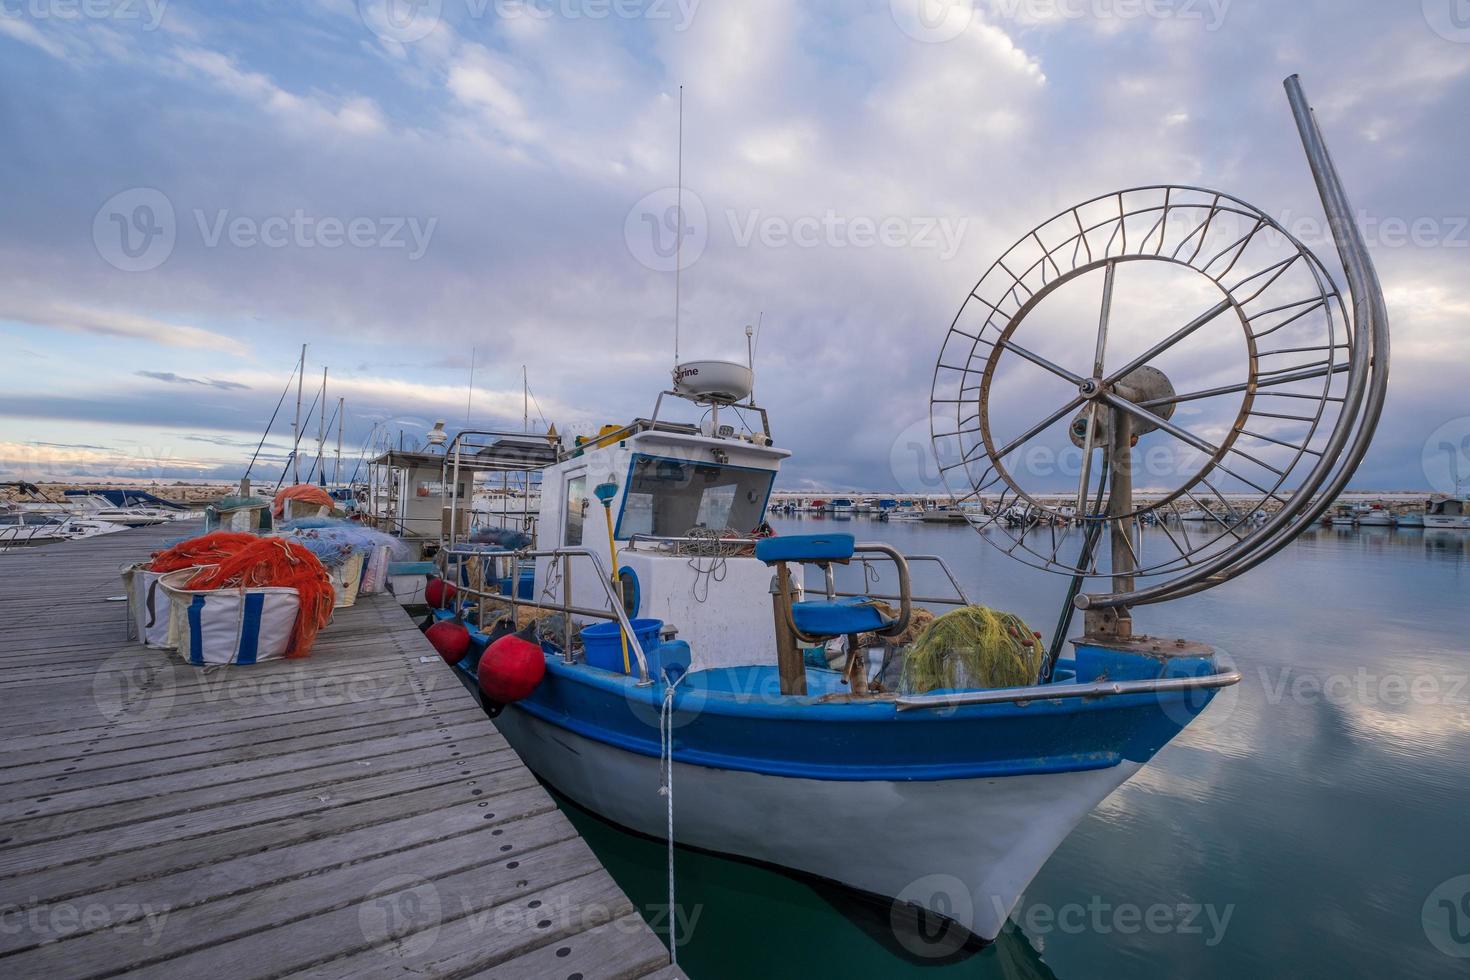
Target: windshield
670,497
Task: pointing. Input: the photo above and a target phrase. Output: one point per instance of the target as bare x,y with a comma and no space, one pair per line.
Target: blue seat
805,547
838,617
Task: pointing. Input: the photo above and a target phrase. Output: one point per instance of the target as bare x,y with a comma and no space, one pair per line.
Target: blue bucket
604,648
527,585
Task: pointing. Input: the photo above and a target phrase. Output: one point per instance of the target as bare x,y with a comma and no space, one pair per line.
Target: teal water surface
1312,822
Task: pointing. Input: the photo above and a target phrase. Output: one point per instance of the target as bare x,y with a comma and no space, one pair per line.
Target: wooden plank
161,819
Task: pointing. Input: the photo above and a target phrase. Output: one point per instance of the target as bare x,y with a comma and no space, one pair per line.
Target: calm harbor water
1303,826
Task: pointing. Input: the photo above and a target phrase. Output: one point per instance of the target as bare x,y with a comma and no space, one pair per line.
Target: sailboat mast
296,426
321,429
525,401
341,414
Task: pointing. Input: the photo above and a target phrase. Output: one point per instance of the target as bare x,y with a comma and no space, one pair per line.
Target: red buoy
450,638
439,593
512,667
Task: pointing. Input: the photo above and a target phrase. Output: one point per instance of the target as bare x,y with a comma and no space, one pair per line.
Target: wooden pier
351,814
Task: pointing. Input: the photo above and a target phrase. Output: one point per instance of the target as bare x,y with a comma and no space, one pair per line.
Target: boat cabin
665,490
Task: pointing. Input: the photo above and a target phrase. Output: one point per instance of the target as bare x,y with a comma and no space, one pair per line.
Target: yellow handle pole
612,550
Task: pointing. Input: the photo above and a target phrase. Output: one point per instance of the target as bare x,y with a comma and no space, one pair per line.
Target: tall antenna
679,227
469,399
750,351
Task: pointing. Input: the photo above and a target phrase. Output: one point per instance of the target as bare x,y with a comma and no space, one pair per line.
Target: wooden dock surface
351,814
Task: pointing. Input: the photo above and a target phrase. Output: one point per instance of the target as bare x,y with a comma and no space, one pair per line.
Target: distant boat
1374,516
1413,518
1448,513
21,528
840,505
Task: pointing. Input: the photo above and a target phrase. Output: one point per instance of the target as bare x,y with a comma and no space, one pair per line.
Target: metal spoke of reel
1220,420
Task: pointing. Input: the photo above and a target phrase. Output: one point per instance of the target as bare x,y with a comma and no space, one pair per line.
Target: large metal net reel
1158,388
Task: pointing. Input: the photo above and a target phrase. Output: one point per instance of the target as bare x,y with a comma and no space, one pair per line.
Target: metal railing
565,607
1055,692
960,598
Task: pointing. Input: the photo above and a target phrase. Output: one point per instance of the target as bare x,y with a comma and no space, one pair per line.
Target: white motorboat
1375,515
1447,513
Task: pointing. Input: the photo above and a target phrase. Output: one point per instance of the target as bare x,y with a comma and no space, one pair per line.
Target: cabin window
576,510
670,497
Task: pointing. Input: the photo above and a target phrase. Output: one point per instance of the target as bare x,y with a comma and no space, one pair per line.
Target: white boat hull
965,848
1459,522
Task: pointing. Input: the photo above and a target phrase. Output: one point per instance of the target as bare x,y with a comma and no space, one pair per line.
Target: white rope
666,789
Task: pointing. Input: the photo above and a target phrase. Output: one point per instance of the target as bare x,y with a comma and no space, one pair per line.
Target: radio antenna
679,227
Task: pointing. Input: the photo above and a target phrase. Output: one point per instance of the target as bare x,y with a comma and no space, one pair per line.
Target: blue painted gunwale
735,719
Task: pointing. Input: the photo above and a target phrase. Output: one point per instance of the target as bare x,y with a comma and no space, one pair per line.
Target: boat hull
962,848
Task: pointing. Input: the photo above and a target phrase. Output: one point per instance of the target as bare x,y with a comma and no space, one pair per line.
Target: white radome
726,381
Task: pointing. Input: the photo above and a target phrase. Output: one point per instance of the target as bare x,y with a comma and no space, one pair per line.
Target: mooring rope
707,543
666,790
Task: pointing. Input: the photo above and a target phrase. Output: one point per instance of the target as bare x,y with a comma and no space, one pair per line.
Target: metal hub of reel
1170,368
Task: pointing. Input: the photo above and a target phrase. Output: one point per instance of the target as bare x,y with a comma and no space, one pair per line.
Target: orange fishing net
301,491
281,563
207,549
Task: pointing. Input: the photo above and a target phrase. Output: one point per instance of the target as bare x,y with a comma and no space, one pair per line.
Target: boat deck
350,814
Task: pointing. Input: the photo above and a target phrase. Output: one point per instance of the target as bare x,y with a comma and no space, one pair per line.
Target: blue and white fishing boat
711,726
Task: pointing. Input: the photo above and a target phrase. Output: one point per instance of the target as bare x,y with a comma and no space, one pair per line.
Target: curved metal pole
1367,384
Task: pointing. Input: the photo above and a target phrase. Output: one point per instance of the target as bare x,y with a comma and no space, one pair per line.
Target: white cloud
61,315
358,115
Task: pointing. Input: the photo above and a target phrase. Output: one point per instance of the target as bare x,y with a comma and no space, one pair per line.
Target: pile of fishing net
972,647
207,549
308,493
334,540
278,563
236,560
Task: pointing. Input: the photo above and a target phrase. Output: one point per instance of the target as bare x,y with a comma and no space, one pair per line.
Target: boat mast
296,426
341,414
321,429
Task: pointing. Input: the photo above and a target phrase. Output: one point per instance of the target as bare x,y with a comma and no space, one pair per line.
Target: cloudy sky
192,190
